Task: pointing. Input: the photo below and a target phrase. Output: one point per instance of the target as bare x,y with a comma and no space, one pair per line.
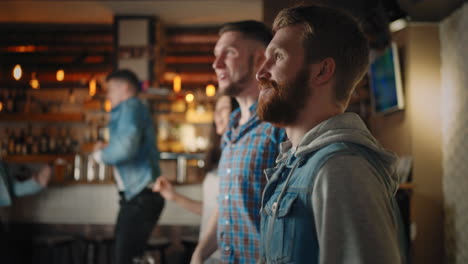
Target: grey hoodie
351,200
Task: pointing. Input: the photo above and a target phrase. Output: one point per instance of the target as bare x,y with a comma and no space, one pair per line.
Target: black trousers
135,222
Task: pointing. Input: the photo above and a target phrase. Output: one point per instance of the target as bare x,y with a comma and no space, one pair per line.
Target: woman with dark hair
224,106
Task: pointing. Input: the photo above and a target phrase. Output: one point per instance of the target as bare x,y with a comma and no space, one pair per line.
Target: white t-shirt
210,190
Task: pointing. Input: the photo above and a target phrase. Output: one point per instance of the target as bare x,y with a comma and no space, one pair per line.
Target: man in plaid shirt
249,146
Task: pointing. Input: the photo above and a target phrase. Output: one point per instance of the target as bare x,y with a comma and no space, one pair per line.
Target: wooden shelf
180,118
55,117
40,158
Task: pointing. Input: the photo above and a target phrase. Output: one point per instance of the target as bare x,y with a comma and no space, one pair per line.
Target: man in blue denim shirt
132,151
330,198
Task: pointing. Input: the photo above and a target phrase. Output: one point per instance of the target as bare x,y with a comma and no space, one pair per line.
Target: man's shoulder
133,102
269,130
134,106
262,125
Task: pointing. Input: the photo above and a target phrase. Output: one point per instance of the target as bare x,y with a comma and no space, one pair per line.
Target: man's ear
126,87
323,71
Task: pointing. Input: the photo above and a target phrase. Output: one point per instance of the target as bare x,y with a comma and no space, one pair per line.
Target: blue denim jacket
132,146
10,187
288,229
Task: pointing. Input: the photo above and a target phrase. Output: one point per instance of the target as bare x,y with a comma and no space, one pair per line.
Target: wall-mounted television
385,82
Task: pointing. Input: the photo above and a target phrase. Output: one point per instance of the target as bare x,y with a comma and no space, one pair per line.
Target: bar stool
54,246
158,244
94,246
189,243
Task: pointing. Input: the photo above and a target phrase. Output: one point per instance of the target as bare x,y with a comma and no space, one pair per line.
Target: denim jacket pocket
278,227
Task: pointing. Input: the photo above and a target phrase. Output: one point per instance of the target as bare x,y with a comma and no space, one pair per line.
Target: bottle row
47,140
20,100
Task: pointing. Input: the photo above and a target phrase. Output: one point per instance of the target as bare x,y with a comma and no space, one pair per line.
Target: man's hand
43,175
99,145
165,188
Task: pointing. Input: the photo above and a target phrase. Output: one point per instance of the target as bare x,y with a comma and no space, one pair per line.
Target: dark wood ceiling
86,50
83,51
189,52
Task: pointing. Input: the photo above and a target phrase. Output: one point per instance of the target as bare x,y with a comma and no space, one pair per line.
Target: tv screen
385,82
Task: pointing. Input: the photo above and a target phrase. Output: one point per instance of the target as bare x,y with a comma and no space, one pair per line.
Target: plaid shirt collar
234,122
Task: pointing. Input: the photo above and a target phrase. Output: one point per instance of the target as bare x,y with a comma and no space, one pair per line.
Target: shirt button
227,248
226,197
226,222
274,207
228,171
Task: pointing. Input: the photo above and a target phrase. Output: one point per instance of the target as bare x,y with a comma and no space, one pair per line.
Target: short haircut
250,29
126,76
330,32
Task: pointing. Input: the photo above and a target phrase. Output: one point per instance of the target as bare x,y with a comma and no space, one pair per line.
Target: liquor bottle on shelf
24,146
87,133
44,142
52,140
68,142
19,140
4,143
93,132
35,147
11,143
10,101
29,140
63,141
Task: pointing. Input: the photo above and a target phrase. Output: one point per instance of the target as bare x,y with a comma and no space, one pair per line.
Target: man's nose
218,62
263,73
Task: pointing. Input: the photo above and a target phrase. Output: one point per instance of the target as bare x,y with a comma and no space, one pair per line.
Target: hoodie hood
347,127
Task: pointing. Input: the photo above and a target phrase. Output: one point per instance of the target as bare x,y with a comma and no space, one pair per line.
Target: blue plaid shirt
247,151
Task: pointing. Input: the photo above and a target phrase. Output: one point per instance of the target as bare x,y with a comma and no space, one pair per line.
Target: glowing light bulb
210,90
60,75
17,72
189,98
34,82
177,86
92,87
107,105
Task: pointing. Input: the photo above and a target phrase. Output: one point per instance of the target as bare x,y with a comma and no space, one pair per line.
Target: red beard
280,103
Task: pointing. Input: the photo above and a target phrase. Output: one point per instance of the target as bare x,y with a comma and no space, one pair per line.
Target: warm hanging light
92,87
17,72
1,106
107,105
177,85
189,98
210,90
60,75
34,82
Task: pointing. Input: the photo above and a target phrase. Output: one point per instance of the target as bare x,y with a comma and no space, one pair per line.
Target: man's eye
278,56
231,52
